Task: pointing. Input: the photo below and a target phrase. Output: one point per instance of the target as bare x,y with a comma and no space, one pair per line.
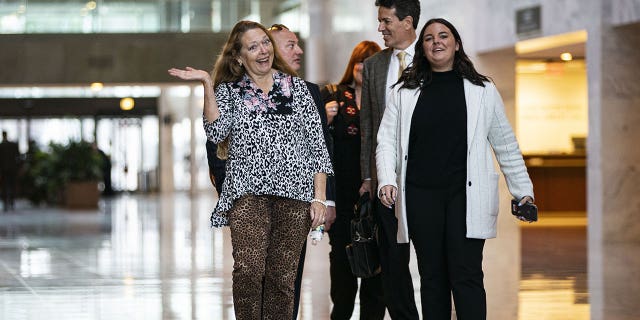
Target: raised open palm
189,73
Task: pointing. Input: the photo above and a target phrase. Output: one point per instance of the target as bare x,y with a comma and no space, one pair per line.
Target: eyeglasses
277,27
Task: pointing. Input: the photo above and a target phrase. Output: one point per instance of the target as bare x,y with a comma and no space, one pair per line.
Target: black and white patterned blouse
276,141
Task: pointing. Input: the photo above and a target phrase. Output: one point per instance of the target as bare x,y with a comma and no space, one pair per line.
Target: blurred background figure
9,165
105,167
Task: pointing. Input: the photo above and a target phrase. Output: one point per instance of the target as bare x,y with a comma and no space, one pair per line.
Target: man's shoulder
314,89
311,85
380,57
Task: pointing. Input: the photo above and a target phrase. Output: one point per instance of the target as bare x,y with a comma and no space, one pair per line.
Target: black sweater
438,136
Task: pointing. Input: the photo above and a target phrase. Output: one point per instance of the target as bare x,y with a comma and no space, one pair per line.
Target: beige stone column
614,166
195,118
165,144
167,254
316,54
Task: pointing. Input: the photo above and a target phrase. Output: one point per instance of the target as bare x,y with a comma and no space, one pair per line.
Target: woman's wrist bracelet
324,203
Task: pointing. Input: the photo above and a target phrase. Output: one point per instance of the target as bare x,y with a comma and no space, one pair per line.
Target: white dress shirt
394,64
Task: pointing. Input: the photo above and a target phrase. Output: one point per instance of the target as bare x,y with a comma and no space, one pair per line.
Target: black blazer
216,165
317,98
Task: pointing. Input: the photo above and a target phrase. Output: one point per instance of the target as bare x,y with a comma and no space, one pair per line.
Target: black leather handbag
362,252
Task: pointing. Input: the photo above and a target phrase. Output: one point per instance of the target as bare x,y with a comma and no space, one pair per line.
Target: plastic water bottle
316,234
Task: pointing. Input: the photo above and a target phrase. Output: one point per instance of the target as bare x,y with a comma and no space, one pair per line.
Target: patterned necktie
403,64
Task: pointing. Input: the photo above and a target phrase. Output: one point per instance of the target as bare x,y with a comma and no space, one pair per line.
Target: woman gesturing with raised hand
276,169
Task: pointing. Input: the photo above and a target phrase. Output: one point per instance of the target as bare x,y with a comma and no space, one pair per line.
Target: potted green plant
68,174
79,170
39,183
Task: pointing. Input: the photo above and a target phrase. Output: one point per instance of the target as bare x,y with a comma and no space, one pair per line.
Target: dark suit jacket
317,98
216,165
374,83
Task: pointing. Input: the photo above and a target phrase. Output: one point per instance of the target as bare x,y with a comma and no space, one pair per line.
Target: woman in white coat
435,142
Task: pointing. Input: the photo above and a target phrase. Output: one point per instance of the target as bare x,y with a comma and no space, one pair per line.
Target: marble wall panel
594,165
625,11
621,275
614,223
620,116
494,24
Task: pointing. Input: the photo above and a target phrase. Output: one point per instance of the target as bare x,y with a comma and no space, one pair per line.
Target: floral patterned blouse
276,141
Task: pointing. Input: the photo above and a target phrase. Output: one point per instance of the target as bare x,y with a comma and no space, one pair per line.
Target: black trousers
8,185
394,260
448,261
344,285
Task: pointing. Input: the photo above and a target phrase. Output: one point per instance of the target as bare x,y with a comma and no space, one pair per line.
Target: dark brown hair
403,8
419,72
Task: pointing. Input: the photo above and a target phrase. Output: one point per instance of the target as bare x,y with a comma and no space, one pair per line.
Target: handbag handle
362,208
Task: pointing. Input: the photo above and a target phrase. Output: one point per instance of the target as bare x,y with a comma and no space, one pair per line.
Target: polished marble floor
155,257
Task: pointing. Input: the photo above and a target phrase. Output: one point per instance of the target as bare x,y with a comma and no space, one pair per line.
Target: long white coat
487,127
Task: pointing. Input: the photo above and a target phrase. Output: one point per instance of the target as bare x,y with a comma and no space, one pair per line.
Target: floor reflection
553,284
155,257
552,299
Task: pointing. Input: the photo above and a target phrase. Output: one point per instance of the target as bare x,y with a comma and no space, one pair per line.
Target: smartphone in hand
526,212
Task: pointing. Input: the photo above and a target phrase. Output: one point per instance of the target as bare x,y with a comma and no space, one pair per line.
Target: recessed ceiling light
96,86
91,5
126,104
566,56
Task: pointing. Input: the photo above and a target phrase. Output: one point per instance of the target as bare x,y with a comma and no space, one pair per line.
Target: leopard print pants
267,234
